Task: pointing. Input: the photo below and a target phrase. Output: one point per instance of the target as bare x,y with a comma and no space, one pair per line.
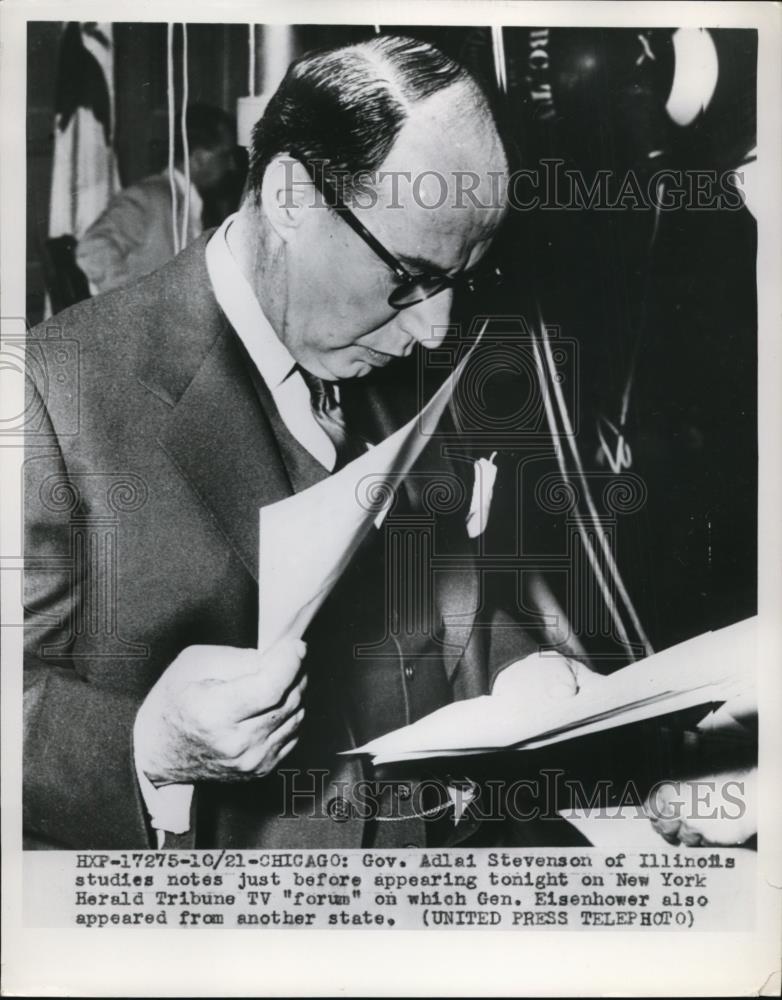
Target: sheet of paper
621,828
307,540
709,668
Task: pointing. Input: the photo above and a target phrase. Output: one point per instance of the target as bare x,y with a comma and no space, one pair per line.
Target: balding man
245,370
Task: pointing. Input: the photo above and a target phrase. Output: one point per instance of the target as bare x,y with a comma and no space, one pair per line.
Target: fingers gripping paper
307,540
711,668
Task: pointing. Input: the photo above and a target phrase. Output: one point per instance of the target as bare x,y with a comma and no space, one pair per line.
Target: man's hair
207,128
344,107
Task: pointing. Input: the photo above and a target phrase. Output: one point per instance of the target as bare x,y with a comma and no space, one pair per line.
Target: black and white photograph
391,481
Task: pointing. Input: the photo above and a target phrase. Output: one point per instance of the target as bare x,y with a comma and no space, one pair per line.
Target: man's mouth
378,357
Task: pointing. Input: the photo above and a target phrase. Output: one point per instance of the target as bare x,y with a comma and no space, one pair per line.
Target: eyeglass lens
418,289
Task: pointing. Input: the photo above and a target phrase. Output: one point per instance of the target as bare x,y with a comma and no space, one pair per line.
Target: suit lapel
382,407
222,443
216,432
459,595
458,581
221,440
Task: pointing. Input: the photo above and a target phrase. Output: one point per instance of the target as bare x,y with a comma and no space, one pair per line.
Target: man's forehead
442,186
441,239
445,139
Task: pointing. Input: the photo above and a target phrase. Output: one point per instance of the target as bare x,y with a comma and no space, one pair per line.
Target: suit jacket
134,235
144,474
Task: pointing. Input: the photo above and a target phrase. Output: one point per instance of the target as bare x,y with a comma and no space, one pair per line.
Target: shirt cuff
168,806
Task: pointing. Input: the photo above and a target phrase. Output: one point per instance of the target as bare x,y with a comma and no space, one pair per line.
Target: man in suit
135,234
262,358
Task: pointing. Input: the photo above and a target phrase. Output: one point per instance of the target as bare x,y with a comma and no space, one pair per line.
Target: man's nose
427,322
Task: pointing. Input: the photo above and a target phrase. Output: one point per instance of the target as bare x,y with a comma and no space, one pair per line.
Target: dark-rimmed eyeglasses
412,288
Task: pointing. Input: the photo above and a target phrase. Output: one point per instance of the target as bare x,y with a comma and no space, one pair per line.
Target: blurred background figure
136,232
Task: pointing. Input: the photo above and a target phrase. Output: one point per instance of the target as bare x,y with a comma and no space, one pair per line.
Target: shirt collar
237,300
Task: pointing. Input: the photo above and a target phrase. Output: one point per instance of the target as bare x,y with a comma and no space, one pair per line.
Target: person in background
135,234
717,803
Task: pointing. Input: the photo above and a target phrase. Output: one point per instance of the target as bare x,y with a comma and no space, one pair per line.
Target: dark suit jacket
144,474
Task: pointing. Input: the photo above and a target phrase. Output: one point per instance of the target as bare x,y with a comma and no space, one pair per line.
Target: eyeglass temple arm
371,241
336,203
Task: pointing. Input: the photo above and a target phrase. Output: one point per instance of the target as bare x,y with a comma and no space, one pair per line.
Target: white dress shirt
268,353
169,805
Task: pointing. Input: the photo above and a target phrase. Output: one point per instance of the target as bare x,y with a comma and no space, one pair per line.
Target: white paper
307,540
621,828
713,667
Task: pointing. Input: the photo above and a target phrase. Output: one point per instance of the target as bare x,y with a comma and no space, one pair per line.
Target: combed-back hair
344,107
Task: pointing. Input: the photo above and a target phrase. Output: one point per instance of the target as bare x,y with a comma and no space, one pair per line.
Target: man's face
209,167
339,323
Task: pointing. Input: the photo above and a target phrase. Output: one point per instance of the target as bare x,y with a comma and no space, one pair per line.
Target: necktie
329,415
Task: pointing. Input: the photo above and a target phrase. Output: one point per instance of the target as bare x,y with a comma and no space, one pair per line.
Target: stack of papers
711,668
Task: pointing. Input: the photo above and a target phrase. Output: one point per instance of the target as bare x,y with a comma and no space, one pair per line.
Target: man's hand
717,810
539,678
222,714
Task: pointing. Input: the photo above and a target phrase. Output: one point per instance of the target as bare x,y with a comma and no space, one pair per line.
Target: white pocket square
482,490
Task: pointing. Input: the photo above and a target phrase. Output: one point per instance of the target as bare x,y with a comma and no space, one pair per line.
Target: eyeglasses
412,288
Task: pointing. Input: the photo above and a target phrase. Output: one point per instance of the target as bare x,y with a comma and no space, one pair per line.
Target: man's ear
286,193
